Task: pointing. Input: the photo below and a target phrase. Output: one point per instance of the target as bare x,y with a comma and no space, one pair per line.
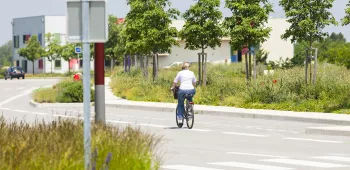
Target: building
24,28
275,46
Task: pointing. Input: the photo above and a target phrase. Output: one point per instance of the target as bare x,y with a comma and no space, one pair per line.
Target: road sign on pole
87,23
78,50
98,21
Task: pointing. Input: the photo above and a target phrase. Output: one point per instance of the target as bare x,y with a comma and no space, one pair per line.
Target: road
214,143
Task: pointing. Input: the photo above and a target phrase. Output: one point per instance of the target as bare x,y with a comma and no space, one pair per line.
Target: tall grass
226,86
59,145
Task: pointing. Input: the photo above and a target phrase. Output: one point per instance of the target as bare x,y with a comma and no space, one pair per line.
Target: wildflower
274,81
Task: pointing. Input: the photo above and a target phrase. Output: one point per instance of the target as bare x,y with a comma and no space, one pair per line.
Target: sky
24,8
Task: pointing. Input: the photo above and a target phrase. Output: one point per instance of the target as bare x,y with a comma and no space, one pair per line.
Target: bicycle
189,111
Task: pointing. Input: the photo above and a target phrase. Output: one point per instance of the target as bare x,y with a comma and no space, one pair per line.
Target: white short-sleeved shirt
186,78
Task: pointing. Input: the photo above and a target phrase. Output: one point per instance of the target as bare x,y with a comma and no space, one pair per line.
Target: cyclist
187,86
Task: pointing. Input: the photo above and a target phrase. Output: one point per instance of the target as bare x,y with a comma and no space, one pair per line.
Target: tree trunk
51,66
135,60
246,66
154,65
250,64
112,63
146,67
199,69
306,65
33,67
254,66
204,72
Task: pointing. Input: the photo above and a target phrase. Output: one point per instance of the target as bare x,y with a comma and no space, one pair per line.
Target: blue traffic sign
77,49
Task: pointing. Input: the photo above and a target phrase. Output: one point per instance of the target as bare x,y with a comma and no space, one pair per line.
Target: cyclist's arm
176,80
194,81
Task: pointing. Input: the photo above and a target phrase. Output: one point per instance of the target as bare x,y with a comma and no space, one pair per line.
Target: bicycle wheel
190,116
177,121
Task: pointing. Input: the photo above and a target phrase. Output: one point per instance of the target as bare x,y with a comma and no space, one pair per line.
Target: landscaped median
59,145
226,86
66,91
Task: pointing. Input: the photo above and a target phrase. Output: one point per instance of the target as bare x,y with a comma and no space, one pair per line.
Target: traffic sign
98,21
78,50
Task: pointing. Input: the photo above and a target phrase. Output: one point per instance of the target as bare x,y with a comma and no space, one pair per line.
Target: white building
23,28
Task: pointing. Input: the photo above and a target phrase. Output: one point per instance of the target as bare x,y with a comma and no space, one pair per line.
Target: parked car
14,72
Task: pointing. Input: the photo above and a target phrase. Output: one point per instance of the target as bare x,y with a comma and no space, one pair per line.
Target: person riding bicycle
187,86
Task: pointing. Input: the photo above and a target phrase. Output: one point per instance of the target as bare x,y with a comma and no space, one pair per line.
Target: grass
66,91
226,86
59,145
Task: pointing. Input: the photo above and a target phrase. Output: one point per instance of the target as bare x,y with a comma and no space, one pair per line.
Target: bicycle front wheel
190,117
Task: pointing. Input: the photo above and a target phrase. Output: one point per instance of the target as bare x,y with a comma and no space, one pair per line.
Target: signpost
87,22
78,51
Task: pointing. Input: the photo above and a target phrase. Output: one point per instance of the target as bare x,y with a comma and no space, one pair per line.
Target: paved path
216,142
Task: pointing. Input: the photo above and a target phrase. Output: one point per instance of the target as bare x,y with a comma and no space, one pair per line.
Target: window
57,64
16,41
40,39
25,38
41,66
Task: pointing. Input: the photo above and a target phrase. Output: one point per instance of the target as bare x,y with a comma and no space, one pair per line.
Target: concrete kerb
51,105
323,118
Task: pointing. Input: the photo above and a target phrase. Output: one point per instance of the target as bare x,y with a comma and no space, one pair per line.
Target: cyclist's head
185,66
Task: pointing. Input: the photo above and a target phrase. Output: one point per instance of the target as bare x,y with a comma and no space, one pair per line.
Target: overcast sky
23,8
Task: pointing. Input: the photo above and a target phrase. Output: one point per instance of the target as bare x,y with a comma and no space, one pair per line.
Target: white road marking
250,166
22,111
199,130
152,125
17,96
186,167
244,134
116,121
305,163
333,158
314,140
253,154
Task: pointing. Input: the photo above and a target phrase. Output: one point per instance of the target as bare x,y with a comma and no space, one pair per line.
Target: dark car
14,72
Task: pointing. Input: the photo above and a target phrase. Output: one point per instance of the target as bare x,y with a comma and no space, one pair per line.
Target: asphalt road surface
215,143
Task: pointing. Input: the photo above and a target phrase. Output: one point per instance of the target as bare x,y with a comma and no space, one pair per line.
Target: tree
68,52
32,51
6,54
202,30
53,50
113,47
246,26
346,19
148,30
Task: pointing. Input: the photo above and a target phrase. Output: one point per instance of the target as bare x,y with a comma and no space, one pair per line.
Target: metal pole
99,84
86,80
306,64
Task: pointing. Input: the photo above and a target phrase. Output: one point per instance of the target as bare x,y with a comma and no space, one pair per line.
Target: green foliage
6,54
58,145
346,19
66,91
246,25
53,50
334,49
147,28
202,28
33,50
115,46
308,18
226,86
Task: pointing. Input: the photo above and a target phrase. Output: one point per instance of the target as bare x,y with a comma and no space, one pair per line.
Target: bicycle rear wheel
177,120
190,116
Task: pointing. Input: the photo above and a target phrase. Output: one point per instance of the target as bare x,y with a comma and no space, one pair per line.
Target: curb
309,117
50,105
332,131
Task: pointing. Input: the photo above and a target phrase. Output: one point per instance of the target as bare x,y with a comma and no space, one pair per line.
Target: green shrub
226,86
66,91
59,145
